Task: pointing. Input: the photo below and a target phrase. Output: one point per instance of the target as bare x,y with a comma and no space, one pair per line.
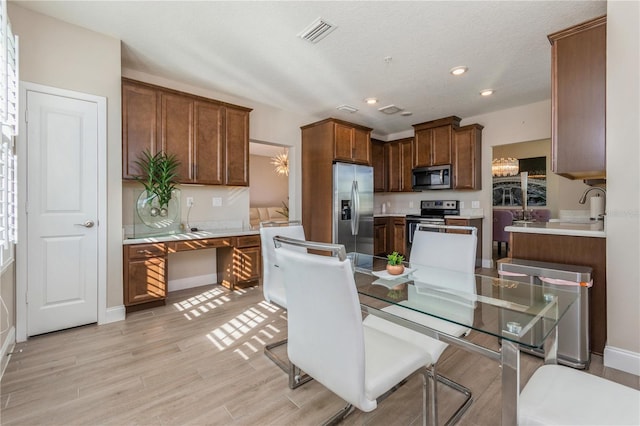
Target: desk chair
450,255
327,338
272,281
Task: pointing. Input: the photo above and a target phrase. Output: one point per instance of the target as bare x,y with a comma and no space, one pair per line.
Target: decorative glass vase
151,218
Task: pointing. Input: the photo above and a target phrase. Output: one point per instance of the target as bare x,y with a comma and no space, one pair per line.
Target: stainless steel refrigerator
353,207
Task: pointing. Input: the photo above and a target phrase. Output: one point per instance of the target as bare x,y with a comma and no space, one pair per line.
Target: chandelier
281,161
504,167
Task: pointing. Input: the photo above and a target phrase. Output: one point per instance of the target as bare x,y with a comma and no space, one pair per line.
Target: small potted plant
394,263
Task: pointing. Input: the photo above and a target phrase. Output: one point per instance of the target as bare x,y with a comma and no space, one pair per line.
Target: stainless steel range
431,212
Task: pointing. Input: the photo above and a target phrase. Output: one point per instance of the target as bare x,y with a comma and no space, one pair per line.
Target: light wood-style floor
199,360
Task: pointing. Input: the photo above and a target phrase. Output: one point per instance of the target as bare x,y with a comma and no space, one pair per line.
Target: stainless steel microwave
433,177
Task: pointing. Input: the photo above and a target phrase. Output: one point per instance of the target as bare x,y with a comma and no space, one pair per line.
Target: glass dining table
519,314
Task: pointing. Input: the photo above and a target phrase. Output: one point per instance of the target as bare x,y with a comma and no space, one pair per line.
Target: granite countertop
185,236
576,229
392,214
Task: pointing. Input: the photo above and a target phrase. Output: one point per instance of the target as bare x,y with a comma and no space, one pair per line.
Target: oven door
412,225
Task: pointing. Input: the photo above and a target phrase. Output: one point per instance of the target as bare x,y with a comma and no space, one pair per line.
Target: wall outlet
189,201
461,205
475,204
217,202
410,204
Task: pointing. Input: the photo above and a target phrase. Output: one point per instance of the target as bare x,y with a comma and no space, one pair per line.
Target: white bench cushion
557,395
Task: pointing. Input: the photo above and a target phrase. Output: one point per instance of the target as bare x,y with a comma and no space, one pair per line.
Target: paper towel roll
597,207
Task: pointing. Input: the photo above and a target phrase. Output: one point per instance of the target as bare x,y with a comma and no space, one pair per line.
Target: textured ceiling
251,50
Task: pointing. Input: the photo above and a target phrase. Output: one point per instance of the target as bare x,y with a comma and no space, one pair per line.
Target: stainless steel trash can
573,330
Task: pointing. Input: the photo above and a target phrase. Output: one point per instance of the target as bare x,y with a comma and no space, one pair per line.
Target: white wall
623,186
54,53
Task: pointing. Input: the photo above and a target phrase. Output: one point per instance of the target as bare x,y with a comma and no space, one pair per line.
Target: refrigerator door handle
355,215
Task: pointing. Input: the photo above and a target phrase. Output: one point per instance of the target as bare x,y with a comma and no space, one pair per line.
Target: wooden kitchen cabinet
378,161
477,223
466,156
578,100
433,142
380,235
140,125
352,144
176,132
399,157
241,265
398,227
145,275
210,138
236,125
318,156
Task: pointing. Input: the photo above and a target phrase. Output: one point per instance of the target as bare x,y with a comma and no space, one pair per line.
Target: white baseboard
115,313
7,347
190,282
622,359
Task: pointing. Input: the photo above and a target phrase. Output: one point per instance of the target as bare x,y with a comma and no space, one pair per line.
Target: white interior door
62,212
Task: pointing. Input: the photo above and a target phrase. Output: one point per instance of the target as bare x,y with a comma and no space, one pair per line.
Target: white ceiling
251,50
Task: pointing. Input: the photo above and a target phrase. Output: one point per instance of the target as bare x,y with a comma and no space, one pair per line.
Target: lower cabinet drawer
199,244
248,241
143,251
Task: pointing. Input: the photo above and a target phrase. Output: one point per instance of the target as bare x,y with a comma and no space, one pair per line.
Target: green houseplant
394,263
158,179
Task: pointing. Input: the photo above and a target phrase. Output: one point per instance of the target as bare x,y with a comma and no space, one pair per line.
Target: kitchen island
571,243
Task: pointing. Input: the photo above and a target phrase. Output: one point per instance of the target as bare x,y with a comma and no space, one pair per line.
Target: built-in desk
239,262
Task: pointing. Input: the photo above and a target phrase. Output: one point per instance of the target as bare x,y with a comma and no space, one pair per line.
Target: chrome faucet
583,199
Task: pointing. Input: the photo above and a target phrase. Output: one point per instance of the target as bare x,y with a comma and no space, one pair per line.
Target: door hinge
26,115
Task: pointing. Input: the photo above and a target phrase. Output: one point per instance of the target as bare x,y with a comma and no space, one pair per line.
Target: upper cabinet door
378,161
208,146
467,147
139,125
352,144
361,146
237,146
433,139
441,138
177,136
578,100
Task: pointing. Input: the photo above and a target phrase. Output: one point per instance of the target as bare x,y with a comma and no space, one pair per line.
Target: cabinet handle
144,252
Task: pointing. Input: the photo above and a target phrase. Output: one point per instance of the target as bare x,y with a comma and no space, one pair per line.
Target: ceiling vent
390,109
318,30
347,108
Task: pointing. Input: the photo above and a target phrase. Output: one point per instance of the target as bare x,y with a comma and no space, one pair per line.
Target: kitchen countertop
465,216
392,214
590,229
185,236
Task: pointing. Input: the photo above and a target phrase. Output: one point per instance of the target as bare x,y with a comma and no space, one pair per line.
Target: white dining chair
558,395
327,338
439,259
272,281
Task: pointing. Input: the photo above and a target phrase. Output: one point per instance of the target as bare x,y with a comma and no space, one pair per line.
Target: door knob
87,224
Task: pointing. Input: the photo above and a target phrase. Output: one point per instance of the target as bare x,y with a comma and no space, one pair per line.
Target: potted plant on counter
159,173
394,263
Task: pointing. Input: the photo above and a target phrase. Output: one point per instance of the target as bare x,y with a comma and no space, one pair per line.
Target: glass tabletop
520,312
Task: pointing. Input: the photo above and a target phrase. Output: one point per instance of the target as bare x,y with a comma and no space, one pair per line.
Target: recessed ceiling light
486,92
371,101
458,70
